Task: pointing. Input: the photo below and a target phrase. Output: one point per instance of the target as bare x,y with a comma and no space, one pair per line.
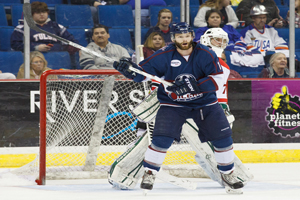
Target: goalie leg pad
126,171
205,156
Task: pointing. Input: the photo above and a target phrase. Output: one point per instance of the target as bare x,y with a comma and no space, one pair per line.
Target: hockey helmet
180,27
215,34
258,10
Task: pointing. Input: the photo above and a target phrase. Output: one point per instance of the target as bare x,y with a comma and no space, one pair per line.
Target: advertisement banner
275,111
256,120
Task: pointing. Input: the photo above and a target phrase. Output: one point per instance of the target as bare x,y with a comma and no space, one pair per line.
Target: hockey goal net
86,123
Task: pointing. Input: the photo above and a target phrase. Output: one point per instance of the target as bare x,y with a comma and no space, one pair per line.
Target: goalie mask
216,38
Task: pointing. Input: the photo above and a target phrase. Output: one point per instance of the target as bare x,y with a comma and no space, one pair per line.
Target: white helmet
214,34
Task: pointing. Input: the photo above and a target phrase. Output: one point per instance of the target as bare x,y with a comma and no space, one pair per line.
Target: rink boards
248,153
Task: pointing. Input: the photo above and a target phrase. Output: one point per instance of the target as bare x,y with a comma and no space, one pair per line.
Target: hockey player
217,39
196,73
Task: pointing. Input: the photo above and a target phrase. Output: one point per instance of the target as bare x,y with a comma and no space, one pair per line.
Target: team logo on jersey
175,63
186,97
284,115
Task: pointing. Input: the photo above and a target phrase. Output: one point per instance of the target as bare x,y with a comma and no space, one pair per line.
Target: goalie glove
184,86
123,68
228,114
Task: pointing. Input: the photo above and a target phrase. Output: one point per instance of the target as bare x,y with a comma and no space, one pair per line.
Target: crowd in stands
255,43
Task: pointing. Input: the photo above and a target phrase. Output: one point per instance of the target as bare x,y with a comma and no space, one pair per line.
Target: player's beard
179,45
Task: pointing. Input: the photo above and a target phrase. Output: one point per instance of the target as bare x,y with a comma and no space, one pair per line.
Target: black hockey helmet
180,27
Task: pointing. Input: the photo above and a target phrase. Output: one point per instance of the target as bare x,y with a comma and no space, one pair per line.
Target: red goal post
43,118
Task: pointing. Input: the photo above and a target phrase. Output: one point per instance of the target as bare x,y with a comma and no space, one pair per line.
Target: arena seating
193,12
80,35
3,20
283,11
121,36
16,14
177,2
10,2
116,16
10,61
284,33
58,60
76,16
5,33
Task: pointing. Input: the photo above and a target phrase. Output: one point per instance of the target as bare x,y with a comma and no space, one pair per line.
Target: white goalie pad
205,155
147,109
128,169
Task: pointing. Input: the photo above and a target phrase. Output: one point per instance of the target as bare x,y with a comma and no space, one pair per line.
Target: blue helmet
181,27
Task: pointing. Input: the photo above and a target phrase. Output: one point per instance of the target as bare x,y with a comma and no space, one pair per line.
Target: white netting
72,104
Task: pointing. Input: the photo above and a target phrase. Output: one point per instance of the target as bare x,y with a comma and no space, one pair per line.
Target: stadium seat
5,38
154,10
193,13
80,35
143,34
10,2
283,11
58,59
79,16
177,2
120,36
10,61
285,2
116,16
249,74
50,3
284,33
3,20
16,14
297,53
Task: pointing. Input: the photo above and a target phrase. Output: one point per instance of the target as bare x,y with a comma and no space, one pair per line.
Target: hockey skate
148,180
233,185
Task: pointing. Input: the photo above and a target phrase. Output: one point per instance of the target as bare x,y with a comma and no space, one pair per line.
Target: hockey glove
281,101
184,86
123,68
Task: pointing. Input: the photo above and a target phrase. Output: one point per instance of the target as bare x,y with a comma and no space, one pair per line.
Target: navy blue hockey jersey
37,38
203,65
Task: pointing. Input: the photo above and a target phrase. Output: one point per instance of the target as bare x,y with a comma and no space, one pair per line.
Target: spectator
277,69
262,36
228,15
163,25
297,14
145,19
213,18
40,41
154,42
7,75
102,46
38,65
273,17
94,4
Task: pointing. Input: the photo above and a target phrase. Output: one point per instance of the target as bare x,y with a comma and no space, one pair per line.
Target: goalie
196,73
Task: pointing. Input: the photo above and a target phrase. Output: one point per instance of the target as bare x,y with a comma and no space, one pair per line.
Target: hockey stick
32,25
